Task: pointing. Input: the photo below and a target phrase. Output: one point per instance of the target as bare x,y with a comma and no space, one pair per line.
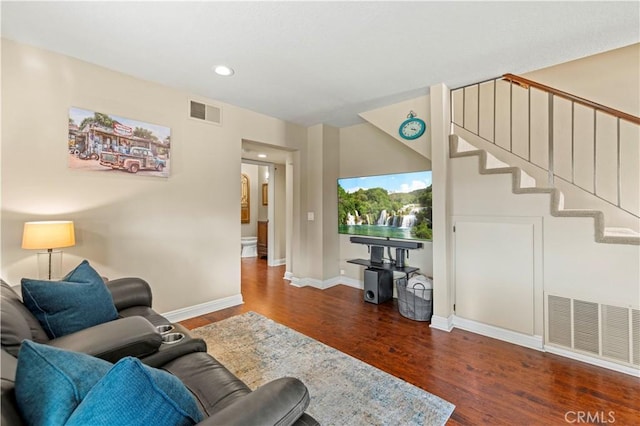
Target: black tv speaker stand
378,277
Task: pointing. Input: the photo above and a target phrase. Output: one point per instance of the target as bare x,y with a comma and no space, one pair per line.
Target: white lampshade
48,235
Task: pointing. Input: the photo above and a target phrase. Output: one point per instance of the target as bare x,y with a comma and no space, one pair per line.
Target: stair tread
620,232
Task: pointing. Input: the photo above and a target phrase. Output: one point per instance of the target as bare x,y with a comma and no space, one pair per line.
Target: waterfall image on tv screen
395,205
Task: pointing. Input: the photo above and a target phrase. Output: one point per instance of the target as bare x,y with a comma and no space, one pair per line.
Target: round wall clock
413,127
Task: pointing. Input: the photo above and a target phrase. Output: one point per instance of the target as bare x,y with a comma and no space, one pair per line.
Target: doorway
260,214
271,198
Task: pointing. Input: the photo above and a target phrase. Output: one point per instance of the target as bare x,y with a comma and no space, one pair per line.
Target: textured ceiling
321,62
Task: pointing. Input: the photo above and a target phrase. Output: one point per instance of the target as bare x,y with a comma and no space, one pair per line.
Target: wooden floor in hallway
489,381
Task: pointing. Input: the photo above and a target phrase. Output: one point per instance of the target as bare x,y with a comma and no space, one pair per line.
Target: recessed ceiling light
223,70
262,155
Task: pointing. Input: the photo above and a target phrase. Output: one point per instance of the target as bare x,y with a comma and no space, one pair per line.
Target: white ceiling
321,62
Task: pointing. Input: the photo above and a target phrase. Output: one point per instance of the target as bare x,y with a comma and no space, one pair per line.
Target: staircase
556,143
522,183
546,219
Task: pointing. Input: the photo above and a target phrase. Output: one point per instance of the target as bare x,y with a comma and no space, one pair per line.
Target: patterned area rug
344,390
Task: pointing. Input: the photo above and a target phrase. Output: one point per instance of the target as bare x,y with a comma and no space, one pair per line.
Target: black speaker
377,253
378,285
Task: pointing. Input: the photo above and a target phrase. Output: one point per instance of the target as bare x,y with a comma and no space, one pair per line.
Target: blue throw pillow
79,301
51,382
83,273
56,387
130,394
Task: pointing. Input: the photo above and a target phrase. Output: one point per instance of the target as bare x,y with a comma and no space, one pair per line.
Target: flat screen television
394,205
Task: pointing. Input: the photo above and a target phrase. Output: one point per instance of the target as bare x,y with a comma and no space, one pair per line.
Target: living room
181,234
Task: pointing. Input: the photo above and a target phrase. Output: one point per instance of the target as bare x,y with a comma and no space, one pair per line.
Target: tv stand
383,266
378,277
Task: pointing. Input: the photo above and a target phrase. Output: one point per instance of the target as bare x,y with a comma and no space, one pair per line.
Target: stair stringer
556,197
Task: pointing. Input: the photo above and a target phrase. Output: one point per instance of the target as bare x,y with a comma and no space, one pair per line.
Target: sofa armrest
113,340
280,402
166,353
128,292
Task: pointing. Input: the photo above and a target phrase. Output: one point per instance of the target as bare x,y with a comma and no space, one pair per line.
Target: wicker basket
415,297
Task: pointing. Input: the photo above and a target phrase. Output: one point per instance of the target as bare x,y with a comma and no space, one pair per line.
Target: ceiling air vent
208,113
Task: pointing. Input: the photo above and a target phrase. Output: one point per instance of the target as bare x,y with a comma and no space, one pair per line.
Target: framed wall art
245,199
109,143
265,194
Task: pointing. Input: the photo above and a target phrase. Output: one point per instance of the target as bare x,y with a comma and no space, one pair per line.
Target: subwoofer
378,285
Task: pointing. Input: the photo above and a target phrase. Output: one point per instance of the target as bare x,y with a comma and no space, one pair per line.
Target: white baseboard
351,282
442,323
312,282
203,308
278,262
632,371
322,284
533,342
297,281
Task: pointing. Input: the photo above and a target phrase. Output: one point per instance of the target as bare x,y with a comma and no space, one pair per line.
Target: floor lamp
48,235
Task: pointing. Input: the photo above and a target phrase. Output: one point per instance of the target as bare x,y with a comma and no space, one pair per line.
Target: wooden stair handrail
526,83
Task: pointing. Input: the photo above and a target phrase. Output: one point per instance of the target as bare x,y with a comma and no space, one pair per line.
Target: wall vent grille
605,331
585,326
615,332
560,320
635,333
209,113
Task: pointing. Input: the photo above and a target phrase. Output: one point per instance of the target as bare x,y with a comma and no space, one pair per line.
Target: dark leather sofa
222,397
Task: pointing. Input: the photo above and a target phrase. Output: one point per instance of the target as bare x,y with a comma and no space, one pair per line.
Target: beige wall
322,172
367,150
182,234
263,211
389,118
611,78
278,181
440,121
314,204
331,172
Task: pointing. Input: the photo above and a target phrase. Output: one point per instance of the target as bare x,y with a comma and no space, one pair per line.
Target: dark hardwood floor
488,380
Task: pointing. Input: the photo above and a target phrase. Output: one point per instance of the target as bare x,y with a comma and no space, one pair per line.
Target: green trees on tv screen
377,207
